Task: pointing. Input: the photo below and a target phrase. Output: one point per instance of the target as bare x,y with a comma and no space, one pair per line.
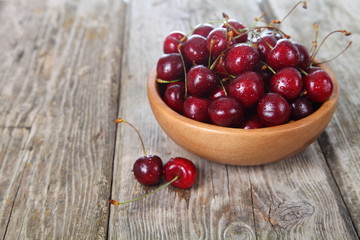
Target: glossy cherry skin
312,69
301,107
201,81
203,29
226,112
184,169
217,41
148,170
287,82
273,109
265,44
220,69
195,51
242,36
172,42
319,86
284,54
174,96
217,93
197,108
247,87
304,56
240,58
170,67
252,122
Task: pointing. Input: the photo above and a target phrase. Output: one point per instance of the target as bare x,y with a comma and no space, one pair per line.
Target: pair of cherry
149,170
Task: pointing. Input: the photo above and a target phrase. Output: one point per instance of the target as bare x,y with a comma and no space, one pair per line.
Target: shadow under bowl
235,146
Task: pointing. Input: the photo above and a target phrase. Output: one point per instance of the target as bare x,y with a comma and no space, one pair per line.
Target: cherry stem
167,81
292,9
183,63
211,46
349,44
302,71
270,68
314,43
120,120
117,203
345,32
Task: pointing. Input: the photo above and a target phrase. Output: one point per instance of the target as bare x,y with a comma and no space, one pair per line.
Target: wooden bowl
241,146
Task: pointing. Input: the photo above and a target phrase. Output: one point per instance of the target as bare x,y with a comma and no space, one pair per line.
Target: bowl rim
153,94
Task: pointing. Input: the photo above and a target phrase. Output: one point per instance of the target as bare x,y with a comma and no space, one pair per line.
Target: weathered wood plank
59,76
340,142
296,198
211,208
12,160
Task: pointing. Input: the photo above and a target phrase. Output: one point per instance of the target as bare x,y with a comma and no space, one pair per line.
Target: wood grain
59,95
297,198
340,142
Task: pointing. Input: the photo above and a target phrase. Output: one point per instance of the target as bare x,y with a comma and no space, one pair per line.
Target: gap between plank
124,37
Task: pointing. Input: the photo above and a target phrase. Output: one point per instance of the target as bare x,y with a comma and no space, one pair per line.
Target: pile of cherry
235,76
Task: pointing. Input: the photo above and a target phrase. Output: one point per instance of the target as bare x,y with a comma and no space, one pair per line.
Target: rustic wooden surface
69,68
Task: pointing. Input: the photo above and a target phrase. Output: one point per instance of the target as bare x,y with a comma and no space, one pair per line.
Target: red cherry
195,51
203,29
217,93
172,42
265,44
182,168
304,60
252,122
201,81
240,58
242,36
247,87
220,69
217,41
170,67
273,109
287,82
174,96
301,107
284,54
226,111
148,170
197,108
319,86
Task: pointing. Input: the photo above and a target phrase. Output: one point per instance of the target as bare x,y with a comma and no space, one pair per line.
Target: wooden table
69,68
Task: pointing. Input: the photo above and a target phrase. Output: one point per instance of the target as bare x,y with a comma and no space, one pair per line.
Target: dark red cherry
226,111
265,44
287,82
170,67
174,96
304,60
195,51
273,109
252,122
301,107
318,86
203,29
197,108
240,58
182,168
284,54
247,87
242,35
217,93
312,69
220,69
148,170
172,42
201,81
217,41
